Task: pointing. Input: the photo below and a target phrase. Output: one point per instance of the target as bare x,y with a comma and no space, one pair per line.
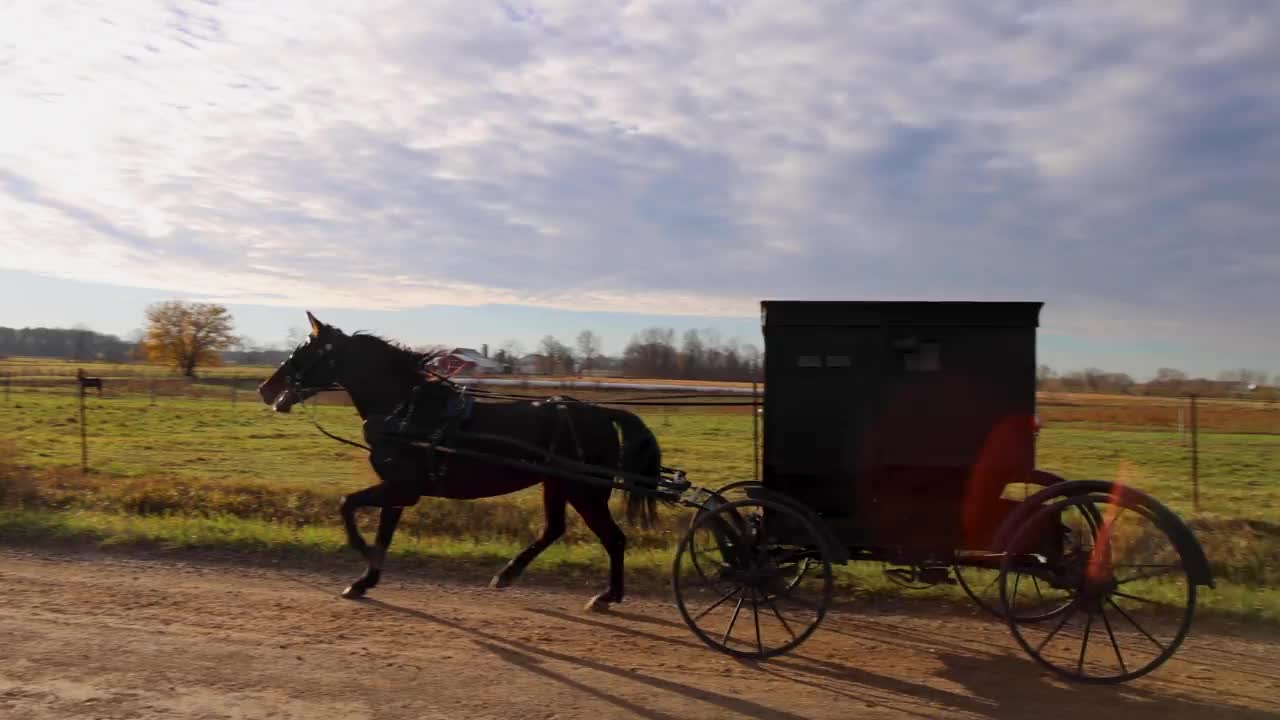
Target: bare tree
556,355
692,354
1244,376
588,348
651,354
513,349
751,361
296,337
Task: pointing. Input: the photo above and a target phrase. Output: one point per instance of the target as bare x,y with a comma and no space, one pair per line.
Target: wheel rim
1131,596
749,595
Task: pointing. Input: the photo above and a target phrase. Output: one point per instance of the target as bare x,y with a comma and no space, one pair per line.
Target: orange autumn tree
188,335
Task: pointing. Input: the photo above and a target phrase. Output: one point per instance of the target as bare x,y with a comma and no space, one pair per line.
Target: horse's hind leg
553,505
594,509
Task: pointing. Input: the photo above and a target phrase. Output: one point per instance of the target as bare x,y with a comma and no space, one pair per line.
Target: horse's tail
641,455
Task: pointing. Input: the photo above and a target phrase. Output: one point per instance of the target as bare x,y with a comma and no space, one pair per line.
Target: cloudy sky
467,172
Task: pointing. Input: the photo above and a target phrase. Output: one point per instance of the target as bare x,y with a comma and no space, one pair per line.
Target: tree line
1167,382
182,335
651,353
187,336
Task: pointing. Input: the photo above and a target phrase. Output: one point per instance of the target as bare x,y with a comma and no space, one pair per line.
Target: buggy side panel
901,423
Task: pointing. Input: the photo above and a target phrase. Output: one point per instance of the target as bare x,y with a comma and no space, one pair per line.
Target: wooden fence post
1195,455
755,427
84,434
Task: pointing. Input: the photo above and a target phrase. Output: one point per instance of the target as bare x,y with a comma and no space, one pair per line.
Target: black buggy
903,434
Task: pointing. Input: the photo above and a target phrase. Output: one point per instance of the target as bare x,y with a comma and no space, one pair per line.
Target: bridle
296,379
296,376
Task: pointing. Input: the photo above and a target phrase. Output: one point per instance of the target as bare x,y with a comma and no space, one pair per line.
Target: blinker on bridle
296,375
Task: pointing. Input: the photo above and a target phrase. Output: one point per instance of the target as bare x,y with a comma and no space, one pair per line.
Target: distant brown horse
380,376
87,382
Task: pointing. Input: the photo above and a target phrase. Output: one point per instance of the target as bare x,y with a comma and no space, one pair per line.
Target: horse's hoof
498,582
601,603
353,592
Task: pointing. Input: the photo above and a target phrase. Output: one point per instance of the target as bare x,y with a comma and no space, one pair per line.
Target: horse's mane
406,359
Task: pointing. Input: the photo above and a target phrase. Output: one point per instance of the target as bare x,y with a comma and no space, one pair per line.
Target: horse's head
309,369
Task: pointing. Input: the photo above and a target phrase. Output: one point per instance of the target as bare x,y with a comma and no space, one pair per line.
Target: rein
328,434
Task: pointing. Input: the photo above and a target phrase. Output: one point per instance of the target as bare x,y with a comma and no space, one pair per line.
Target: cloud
1115,160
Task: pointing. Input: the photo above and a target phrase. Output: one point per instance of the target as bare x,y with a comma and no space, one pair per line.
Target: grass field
186,471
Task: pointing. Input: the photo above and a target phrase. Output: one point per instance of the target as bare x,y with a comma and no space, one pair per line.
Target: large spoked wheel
750,578
1129,598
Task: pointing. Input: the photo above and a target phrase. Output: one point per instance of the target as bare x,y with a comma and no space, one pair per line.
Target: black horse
382,377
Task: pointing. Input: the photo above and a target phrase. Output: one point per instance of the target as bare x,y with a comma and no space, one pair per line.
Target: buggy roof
865,313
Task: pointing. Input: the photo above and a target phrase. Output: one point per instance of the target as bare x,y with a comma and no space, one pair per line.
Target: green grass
212,440
648,569
188,472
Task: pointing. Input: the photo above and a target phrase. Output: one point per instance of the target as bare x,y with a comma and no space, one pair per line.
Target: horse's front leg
375,556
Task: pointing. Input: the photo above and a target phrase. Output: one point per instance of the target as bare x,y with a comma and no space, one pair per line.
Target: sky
468,173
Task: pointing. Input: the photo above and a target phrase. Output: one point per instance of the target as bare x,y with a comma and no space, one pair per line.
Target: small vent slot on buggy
838,361
809,361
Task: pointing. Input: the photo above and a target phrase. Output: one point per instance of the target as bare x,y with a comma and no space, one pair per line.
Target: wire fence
225,408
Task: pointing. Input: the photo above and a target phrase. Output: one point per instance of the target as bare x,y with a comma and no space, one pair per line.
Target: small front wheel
751,579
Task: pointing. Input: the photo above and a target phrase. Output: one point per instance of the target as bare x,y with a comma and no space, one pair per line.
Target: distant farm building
468,361
534,364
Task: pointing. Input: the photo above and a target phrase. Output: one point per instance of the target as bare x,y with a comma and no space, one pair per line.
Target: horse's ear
315,324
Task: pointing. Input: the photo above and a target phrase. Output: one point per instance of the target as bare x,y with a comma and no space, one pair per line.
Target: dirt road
92,635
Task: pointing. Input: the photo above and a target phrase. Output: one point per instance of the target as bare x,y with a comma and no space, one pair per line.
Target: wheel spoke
718,603
1112,635
755,615
994,580
785,624
1065,617
1127,596
1088,625
1136,625
729,630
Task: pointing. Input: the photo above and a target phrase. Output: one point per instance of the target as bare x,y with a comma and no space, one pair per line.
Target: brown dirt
88,634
